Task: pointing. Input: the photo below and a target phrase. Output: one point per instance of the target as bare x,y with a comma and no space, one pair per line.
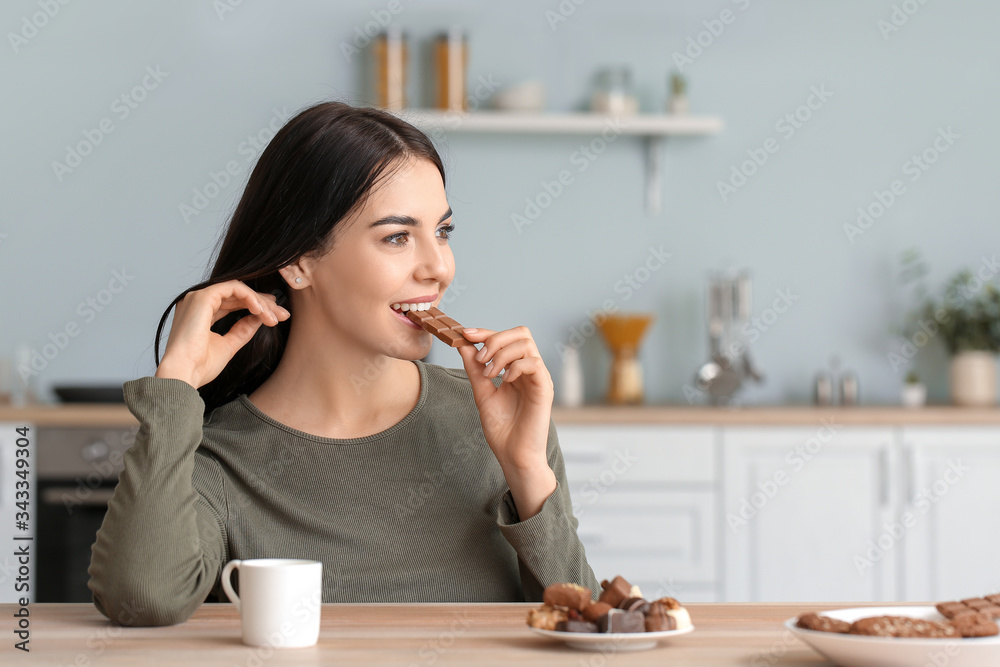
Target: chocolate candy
615,590
978,624
546,617
434,321
595,610
617,620
573,596
658,619
576,626
634,604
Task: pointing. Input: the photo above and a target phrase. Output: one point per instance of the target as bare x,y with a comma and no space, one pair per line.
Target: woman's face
394,250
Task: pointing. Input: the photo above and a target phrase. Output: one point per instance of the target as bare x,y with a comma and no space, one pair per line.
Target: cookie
615,591
546,617
819,623
901,626
572,596
595,610
975,625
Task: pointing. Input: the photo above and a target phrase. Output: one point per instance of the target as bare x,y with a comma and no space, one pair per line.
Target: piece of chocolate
634,604
443,327
658,620
617,620
595,610
975,625
576,626
572,596
615,590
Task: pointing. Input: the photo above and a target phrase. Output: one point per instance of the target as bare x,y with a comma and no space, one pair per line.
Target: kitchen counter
115,415
406,634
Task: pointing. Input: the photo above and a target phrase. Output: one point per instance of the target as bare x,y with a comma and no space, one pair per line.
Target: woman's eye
391,240
447,231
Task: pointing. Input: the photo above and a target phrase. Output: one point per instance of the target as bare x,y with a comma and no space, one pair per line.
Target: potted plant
678,103
967,320
914,393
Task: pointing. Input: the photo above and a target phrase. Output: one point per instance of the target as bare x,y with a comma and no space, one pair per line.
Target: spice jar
390,68
450,62
613,92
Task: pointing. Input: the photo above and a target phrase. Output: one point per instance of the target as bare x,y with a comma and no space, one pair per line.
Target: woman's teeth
412,306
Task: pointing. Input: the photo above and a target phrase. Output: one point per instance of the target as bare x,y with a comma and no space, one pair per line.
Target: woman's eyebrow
407,220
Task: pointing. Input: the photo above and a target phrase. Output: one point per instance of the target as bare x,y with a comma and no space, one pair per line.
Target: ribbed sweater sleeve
548,548
162,544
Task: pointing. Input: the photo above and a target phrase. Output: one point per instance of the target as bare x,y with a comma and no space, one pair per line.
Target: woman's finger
240,333
482,386
494,341
500,358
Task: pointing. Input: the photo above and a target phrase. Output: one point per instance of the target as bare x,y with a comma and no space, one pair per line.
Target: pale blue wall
119,208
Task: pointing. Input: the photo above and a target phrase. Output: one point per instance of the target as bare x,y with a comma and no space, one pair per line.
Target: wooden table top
405,634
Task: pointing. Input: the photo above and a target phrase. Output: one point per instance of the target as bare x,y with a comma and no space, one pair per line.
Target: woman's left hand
515,416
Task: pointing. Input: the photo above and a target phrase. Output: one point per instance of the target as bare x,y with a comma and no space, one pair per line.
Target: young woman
291,414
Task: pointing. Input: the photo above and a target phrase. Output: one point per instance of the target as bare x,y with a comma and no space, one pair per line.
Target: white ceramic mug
279,602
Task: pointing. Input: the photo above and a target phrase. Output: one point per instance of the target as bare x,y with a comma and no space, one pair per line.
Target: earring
298,280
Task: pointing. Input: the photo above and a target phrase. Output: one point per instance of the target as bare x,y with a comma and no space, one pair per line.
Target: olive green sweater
420,512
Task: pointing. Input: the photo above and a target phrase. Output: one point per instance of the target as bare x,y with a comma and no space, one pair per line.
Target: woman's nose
433,261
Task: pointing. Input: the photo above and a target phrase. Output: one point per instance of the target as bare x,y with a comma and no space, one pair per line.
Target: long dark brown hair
319,168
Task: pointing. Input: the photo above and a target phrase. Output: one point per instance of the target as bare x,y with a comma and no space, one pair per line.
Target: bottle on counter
451,59
571,384
823,389
849,389
391,59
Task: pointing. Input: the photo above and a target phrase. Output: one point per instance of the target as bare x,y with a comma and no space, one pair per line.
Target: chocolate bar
443,327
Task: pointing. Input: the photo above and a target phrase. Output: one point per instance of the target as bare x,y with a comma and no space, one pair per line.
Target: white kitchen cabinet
801,507
950,477
646,500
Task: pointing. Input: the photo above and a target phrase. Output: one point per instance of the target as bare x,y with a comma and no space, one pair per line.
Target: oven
77,469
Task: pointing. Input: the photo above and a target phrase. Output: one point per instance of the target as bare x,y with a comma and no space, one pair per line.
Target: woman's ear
296,274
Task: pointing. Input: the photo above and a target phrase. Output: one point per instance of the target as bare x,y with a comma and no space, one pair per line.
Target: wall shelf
653,128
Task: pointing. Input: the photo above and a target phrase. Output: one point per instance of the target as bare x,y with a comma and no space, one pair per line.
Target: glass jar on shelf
613,92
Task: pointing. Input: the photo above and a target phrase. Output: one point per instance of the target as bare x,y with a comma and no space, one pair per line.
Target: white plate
862,651
611,642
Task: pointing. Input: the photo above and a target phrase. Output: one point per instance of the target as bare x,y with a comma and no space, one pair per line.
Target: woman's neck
334,392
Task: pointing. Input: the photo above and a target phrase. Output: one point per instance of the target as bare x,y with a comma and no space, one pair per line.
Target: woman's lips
400,315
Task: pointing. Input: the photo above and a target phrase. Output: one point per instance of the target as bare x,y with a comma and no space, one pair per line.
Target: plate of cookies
958,634
619,620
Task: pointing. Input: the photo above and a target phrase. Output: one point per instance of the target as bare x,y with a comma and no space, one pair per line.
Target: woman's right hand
195,353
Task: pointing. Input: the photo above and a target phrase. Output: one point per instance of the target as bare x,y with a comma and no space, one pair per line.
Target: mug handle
227,586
